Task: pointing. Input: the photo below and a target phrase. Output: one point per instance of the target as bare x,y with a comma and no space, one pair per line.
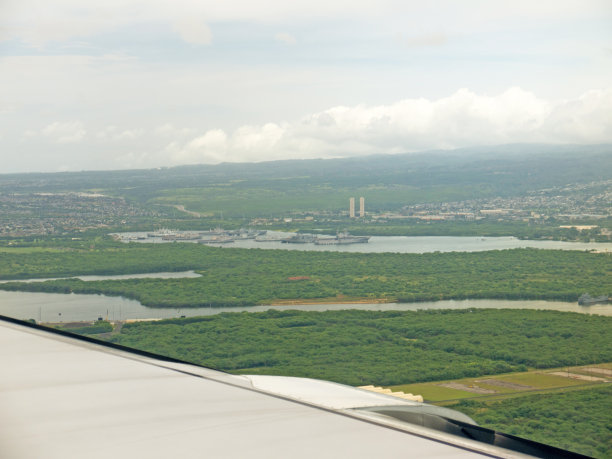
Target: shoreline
334,300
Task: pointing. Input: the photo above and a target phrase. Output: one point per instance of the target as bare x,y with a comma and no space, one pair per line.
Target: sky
149,83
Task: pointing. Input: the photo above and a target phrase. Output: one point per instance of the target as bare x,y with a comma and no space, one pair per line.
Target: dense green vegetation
373,347
273,197
236,277
578,420
90,329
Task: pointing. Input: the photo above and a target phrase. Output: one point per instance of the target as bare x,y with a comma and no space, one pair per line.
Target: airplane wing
65,396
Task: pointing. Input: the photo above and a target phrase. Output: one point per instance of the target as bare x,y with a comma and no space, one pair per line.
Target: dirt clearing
504,384
601,371
565,374
474,389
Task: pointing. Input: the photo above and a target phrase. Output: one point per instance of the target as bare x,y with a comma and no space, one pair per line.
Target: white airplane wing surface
69,397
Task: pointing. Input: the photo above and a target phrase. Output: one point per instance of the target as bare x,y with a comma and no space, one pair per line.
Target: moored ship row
213,236
341,238
300,239
221,236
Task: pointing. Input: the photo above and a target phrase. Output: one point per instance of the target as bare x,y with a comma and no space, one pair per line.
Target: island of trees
240,277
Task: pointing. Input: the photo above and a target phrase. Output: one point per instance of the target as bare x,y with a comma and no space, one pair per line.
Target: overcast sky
144,83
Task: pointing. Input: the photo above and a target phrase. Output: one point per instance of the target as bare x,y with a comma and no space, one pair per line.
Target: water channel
55,307
165,275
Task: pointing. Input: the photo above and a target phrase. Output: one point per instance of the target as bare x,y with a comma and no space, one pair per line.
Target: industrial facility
361,207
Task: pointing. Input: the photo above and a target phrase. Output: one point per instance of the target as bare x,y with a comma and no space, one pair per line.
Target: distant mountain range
494,170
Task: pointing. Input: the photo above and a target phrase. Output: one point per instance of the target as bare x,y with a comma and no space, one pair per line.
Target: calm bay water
412,244
424,244
53,307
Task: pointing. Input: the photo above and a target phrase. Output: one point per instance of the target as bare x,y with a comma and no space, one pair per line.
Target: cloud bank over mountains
149,83
460,120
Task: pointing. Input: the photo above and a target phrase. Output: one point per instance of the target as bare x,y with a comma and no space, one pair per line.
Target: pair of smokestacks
352,207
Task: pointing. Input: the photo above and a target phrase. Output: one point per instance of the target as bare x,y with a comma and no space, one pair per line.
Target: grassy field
505,385
570,413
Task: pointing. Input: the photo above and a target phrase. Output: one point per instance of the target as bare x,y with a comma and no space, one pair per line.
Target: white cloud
114,133
193,29
285,38
460,120
587,117
65,132
208,148
252,138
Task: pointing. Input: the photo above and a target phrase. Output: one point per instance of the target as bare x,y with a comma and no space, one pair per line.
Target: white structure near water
361,207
